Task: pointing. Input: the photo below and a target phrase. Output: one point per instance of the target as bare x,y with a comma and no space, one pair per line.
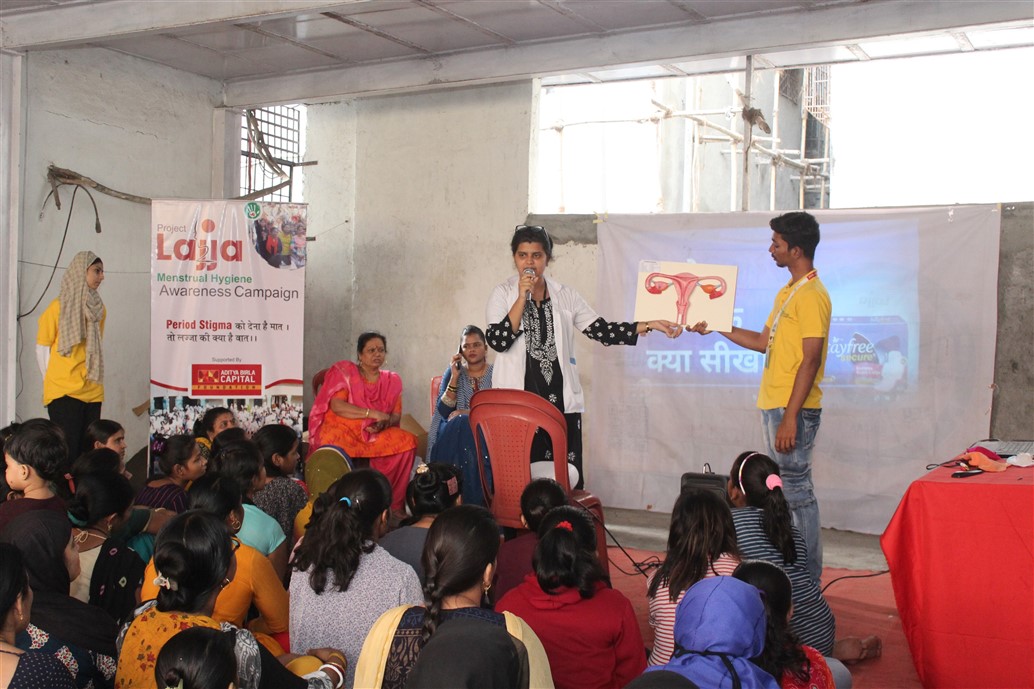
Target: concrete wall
1012,416
130,125
440,179
329,273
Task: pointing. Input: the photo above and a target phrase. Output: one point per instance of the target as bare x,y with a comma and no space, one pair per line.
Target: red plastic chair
436,382
505,421
317,380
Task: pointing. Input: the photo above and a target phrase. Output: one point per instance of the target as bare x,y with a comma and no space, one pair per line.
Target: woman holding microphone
532,321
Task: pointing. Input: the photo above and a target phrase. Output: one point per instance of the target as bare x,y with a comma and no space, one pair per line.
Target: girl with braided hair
342,580
794,665
588,629
459,561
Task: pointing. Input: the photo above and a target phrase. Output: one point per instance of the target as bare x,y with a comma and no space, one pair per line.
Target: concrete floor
840,549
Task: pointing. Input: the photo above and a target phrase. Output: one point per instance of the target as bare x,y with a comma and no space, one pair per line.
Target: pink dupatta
345,375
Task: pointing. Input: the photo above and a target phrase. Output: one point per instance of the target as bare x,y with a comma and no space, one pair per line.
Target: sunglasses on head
534,229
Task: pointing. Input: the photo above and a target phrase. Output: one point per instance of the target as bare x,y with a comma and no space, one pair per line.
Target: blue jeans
795,469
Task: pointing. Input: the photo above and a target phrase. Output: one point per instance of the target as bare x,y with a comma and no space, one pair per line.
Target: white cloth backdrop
908,371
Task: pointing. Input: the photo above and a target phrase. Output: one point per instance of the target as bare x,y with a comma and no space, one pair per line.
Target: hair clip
158,446
773,481
453,486
164,582
178,685
423,469
752,454
565,525
347,500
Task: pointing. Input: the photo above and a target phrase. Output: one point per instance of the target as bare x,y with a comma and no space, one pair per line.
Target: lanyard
775,322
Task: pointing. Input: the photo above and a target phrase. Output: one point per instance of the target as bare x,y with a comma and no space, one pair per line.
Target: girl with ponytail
434,489
459,561
588,629
110,572
180,462
765,531
342,579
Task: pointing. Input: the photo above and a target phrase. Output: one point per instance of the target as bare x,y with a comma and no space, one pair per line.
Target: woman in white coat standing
532,322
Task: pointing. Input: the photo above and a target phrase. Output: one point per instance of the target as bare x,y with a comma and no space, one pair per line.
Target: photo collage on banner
227,313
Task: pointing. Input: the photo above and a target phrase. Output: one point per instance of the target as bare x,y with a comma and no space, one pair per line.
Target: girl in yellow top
68,350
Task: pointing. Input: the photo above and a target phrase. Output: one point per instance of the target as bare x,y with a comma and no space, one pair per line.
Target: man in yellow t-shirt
794,344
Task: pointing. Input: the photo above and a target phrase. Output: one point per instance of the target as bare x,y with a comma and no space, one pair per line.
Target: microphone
528,271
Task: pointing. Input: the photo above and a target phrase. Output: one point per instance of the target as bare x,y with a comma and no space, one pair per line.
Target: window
272,146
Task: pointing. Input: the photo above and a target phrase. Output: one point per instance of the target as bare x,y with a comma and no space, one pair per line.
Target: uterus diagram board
686,293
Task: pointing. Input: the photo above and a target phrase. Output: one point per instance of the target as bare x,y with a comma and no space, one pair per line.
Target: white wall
440,179
329,273
130,125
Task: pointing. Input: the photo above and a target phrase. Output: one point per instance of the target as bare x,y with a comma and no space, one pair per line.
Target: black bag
708,480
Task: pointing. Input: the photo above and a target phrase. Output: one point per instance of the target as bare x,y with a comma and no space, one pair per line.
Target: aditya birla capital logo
206,253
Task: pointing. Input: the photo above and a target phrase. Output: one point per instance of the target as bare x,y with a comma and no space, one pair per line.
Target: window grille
816,98
279,128
790,84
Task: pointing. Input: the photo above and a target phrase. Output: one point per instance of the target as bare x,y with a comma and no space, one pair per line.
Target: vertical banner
227,312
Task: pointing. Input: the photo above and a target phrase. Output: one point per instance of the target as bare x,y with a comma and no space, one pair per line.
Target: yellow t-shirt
66,375
806,315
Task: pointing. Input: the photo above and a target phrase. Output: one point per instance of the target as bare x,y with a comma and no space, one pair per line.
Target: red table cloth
961,564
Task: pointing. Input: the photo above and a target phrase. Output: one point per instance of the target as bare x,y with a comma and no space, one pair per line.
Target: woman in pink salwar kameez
359,408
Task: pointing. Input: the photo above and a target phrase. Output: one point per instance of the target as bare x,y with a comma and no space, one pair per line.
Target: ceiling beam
821,26
75,24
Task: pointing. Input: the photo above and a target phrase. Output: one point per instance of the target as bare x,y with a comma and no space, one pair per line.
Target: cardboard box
413,426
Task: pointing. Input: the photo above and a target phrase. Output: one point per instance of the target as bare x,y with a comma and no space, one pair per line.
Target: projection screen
909,363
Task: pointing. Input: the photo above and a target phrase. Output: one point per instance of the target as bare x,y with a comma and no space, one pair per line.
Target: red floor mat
862,607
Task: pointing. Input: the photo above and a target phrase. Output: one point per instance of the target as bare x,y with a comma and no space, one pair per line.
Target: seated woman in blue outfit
450,439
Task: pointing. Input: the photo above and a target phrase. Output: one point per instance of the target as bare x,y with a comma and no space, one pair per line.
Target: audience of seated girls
255,583
240,461
214,421
459,558
515,555
80,635
21,669
180,461
342,580
588,629
358,589
197,658
111,435
765,531
110,572
794,665
433,489
35,455
281,497
701,543
719,628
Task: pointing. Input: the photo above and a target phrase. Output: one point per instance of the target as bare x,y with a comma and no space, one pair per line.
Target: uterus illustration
712,285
